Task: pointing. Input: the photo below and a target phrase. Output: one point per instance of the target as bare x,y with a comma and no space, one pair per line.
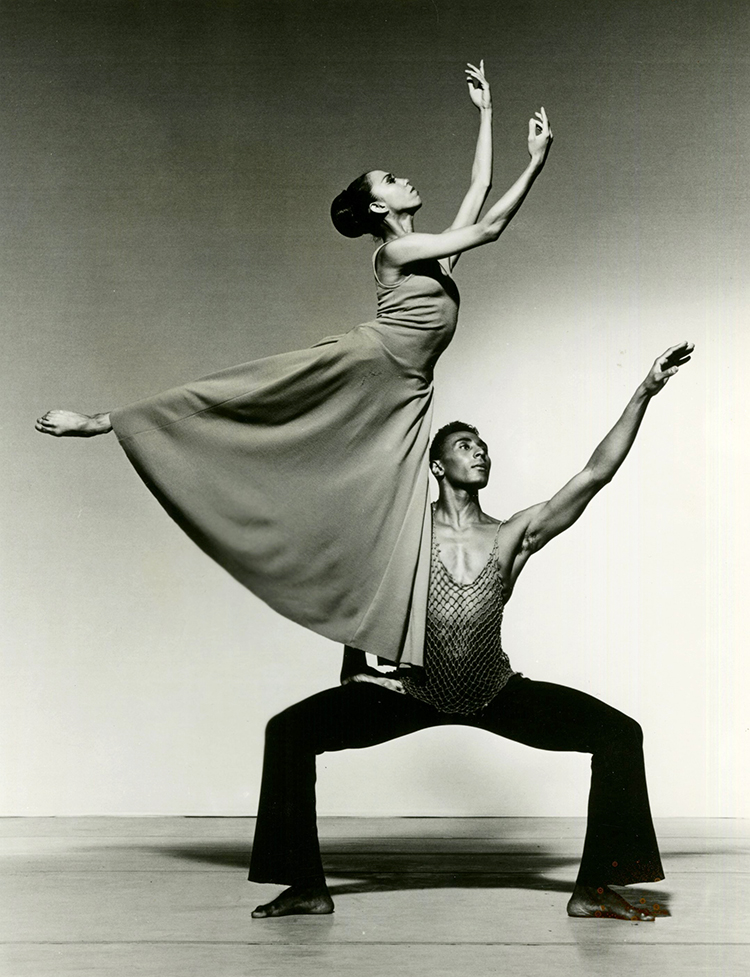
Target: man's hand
479,87
394,684
544,521
666,366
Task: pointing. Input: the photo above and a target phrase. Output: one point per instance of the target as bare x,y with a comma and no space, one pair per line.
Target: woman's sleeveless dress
305,474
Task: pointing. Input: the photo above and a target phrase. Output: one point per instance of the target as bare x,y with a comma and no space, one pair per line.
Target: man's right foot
298,900
71,424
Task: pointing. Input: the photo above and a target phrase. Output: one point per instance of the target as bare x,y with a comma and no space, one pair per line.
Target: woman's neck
398,225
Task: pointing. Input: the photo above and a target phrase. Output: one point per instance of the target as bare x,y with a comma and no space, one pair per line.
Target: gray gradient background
165,177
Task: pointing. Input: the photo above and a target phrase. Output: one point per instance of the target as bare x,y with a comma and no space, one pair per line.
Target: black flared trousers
620,846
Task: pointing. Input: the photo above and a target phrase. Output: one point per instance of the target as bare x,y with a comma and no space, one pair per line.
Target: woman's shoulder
387,275
391,276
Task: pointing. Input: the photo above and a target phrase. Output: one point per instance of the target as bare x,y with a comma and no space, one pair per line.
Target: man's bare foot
70,424
601,902
300,900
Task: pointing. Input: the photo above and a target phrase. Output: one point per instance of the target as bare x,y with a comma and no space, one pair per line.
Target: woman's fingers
478,73
536,129
542,121
540,134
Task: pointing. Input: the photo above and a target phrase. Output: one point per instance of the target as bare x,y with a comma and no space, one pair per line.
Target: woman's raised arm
481,171
417,247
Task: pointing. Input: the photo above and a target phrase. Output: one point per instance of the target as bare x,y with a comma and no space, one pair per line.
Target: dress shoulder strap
375,254
375,270
377,251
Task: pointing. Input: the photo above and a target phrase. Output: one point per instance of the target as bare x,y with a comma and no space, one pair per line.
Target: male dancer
467,680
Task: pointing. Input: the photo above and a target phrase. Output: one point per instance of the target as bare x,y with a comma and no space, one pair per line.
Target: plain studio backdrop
165,180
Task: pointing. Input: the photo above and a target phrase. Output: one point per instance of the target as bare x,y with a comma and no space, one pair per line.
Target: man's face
464,461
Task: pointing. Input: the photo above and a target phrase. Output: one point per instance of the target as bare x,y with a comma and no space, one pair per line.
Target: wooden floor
168,897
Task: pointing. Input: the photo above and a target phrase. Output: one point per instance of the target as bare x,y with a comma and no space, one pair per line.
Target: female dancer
305,474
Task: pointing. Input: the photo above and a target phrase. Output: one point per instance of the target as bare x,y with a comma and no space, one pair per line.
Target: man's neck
458,508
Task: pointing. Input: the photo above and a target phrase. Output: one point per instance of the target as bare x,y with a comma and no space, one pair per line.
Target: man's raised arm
551,518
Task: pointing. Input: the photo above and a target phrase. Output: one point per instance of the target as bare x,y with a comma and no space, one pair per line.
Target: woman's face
395,192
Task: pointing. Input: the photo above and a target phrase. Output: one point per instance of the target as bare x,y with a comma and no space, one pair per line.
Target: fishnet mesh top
464,662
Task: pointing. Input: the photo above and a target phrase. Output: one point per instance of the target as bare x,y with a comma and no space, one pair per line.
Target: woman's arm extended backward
454,241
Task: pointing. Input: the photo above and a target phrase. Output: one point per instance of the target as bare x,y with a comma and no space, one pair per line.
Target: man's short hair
436,448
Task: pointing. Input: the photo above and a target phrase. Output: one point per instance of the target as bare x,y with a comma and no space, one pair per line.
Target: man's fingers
684,345
679,355
661,376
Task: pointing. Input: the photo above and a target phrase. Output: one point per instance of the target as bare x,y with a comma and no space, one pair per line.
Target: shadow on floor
533,881
408,869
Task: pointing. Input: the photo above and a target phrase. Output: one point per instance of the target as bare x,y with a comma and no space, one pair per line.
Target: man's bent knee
284,725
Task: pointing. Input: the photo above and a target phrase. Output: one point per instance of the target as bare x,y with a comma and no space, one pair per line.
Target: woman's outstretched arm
416,247
481,171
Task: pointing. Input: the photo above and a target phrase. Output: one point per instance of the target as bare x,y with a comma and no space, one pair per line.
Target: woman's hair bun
346,215
350,211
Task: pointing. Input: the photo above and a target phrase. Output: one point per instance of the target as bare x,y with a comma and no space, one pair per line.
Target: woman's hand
540,136
479,87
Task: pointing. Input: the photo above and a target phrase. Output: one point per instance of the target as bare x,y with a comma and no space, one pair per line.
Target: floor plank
186,959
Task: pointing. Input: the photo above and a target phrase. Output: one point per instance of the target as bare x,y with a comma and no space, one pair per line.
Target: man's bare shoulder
513,531
519,520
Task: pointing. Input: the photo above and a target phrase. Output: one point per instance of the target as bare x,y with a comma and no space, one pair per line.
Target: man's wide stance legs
620,846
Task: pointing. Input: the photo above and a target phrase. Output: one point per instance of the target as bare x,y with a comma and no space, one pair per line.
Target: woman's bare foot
600,902
70,424
304,900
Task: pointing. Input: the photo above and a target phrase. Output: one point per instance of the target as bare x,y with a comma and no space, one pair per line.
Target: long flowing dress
305,474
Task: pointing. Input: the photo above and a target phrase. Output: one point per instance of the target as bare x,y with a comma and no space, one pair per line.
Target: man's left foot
600,902
298,900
